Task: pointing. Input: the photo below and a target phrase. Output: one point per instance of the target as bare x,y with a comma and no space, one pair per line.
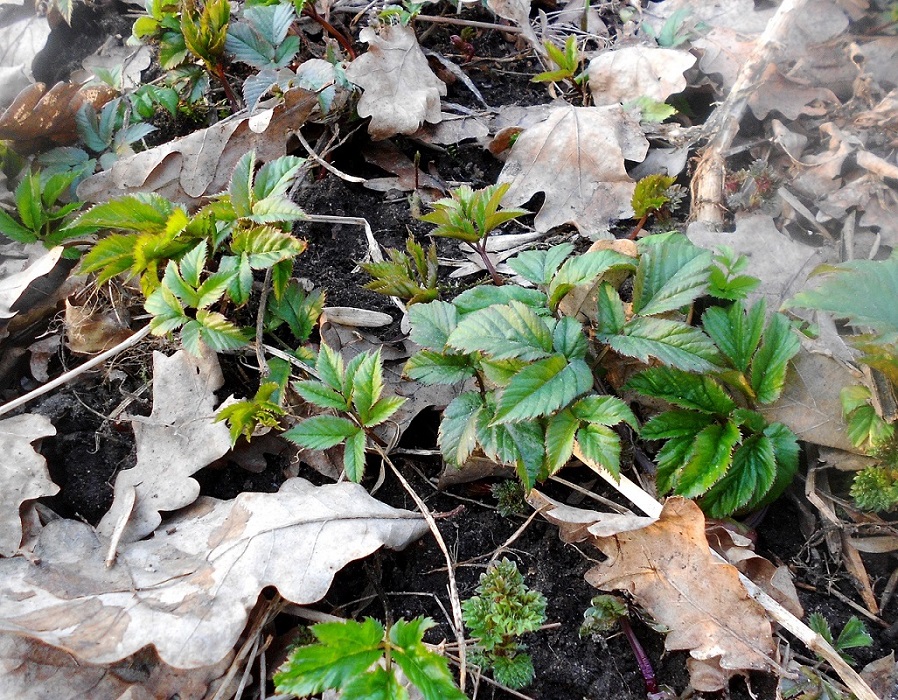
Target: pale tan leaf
178,439
30,670
576,157
401,92
637,71
13,285
882,675
23,474
90,331
188,169
188,590
789,98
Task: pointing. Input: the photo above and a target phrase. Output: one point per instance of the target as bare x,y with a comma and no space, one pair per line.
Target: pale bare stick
72,373
509,29
723,125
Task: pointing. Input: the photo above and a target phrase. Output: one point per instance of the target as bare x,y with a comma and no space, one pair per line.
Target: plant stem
229,91
309,11
642,659
639,225
480,247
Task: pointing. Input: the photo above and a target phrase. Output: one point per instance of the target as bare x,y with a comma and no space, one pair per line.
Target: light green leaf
458,428
427,670
674,424
748,480
368,384
768,368
275,178
376,684
542,388
698,392
736,332
213,288
344,651
560,431
486,295
672,342
568,338
606,410
528,440
276,209
354,456
192,263
11,228
173,280
672,273
219,333
242,182
145,213
321,432
299,309
330,367
266,245
538,266
432,323
500,372
168,314
513,330
321,394
585,269
708,460
600,444
429,367
853,635
670,460
241,284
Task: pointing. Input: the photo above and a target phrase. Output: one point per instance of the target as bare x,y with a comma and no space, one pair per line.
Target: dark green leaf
736,332
321,432
485,295
672,273
542,388
601,445
611,317
299,309
560,431
458,428
538,266
376,684
670,460
853,635
383,409
513,330
675,424
768,368
427,670
429,367
320,394
241,184
672,342
709,459
354,456
11,228
606,410
568,338
786,451
697,392
748,480
368,385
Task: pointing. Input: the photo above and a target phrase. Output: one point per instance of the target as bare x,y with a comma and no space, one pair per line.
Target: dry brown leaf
882,675
189,589
401,92
13,284
669,569
30,670
789,98
24,474
576,157
178,439
637,71
191,168
90,331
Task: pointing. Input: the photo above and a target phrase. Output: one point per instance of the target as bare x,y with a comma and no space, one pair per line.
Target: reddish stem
309,11
642,659
229,92
480,247
639,225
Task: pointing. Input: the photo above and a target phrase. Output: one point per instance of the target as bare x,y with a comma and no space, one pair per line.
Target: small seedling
470,216
567,63
354,390
360,659
726,280
853,635
205,34
751,188
510,497
655,195
504,609
411,276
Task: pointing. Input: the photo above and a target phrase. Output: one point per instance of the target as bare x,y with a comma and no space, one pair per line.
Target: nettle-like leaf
672,273
539,266
651,194
542,388
768,367
243,417
697,392
584,269
513,330
672,342
411,275
736,331
297,308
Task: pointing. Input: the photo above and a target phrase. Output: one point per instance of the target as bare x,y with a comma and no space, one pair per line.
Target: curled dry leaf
188,590
576,157
90,331
178,439
669,569
401,92
14,284
188,169
637,71
23,473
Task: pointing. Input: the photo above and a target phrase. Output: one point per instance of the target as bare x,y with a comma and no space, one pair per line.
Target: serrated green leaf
518,444
241,284
560,432
672,342
671,274
539,266
611,318
330,367
427,670
275,210
432,323
500,372
248,46
568,338
853,635
376,684
175,282
670,460
276,177
321,432
697,392
736,332
866,429
241,184
768,368
266,245
750,477
585,269
601,445
542,388
606,410
321,394
506,331
786,451
168,314
212,289
219,333
11,228
457,436
28,201
651,193
300,310
751,420
191,265
383,409
485,295
354,456
675,424
344,651
708,460
368,385
145,213
429,367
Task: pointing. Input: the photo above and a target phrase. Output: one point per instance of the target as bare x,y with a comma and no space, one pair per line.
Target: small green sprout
411,276
853,635
567,61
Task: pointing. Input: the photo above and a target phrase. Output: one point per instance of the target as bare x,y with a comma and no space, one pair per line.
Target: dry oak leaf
669,569
179,438
401,92
192,168
637,71
23,474
576,157
188,590
13,284
30,670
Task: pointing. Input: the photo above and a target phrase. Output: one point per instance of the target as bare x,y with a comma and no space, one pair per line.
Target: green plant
654,195
860,291
41,217
502,610
752,187
510,497
108,134
260,40
567,61
853,635
162,23
403,14
263,409
716,449
411,275
360,659
148,99
470,216
205,34
725,280
354,390
674,32
534,399
297,308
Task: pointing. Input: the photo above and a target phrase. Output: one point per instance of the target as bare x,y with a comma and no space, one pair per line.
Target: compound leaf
768,368
427,670
502,332
320,394
672,273
368,385
693,391
383,409
672,342
748,480
542,388
709,459
605,410
736,332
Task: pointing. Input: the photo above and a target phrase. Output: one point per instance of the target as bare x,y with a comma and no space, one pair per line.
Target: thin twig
508,29
324,164
72,373
260,324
